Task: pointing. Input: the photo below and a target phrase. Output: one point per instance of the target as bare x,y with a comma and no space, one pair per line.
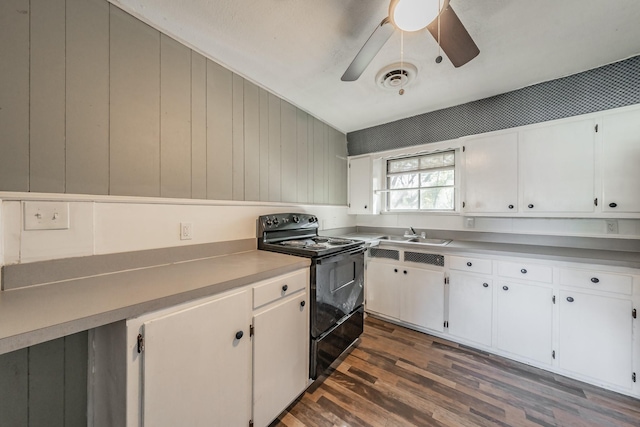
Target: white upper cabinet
491,174
360,186
557,168
620,160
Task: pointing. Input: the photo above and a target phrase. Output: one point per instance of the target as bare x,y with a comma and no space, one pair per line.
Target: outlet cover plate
612,226
186,230
46,215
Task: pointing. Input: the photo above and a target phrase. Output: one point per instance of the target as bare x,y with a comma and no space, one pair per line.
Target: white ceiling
299,49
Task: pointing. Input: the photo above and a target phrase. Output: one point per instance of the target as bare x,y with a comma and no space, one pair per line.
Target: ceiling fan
412,15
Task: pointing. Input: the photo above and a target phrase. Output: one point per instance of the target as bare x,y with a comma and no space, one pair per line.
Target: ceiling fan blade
370,49
455,40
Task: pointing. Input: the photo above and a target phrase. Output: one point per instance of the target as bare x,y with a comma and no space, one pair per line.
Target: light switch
46,215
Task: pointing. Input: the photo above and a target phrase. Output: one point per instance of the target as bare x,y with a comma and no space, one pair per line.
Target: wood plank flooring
399,377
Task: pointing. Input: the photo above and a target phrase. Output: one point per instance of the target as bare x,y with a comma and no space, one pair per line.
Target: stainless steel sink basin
416,239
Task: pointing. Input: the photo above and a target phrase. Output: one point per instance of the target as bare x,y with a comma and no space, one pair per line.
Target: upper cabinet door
491,174
557,168
620,159
360,186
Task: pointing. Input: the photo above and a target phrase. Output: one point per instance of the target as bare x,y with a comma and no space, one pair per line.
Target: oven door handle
332,258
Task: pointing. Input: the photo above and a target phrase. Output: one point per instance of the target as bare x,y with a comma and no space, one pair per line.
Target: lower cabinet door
422,297
383,289
471,308
595,337
196,368
281,357
525,320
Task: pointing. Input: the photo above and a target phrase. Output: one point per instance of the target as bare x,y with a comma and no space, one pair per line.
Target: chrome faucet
414,234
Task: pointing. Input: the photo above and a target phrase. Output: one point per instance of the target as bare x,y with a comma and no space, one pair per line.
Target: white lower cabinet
411,295
595,337
471,307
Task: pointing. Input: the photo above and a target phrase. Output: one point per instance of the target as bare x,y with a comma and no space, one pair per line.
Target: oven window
343,274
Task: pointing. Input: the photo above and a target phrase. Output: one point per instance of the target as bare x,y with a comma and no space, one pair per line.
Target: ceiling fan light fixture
413,15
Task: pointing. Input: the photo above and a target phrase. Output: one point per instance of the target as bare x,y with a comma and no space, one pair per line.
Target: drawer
273,289
476,265
526,271
596,280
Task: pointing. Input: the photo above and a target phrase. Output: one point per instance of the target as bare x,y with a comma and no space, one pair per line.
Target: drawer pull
239,335
530,206
523,271
395,270
303,303
486,285
613,205
510,206
405,271
285,288
570,299
506,288
469,264
595,280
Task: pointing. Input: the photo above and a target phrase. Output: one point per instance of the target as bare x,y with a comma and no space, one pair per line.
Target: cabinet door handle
510,206
530,206
239,335
506,288
486,285
395,270
469,264
523,271
595,280
570,299
303,303
365,206
613,205
285,288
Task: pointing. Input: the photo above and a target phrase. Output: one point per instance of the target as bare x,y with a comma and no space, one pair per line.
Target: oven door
337,288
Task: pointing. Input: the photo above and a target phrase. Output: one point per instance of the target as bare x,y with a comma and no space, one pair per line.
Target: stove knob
268,222
296,219
312,219
275,221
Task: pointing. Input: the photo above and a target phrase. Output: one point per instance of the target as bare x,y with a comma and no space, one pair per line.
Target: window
425,183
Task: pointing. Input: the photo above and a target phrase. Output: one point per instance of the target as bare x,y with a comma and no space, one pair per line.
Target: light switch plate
46,215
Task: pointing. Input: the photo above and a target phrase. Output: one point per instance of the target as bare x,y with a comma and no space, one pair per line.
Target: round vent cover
395,76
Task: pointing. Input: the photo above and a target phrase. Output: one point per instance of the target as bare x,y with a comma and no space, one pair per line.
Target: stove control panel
286,221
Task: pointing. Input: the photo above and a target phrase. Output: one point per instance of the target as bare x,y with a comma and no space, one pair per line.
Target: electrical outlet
470,222
46,215
612,226
186,231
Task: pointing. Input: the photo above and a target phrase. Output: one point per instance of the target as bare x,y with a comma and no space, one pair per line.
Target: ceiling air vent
395,76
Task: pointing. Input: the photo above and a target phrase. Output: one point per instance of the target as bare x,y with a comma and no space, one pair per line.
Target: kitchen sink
416,239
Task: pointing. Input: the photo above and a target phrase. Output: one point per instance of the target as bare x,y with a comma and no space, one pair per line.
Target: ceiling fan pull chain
439,57
401,91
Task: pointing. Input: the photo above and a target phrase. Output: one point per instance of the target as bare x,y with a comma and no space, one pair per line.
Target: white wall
106,224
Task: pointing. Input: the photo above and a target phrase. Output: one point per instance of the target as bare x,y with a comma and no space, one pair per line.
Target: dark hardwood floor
399,377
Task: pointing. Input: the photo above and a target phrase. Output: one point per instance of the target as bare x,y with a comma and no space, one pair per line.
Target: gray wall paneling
135,106
14,101
318,161
289,153
274,149
14,392
175,119
251,141
87,102
47,96
219,132
302,156
237,169
75,379
198,126
264,145
310,165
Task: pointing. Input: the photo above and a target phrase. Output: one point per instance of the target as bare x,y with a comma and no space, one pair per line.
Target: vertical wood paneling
274,149
238,138
14,95
219,132
343,169
135,106
251,141
75,379
318,161
87,106
288,152
310,164
302,145
175,119
198,126
264,145
327,162
47,96
331,168
46,384
14,389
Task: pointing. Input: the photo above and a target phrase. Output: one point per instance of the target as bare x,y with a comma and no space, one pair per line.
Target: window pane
448,158
437,178
431,161
403,199
403,165
409,180
437,198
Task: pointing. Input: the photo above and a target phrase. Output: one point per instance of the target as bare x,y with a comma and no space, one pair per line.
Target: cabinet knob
613,205
239,335
506,288
530,206
365,206
486,285
595,280
303,303
469,264
405,271
285,288
395,270
570,299
523,271
510,206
